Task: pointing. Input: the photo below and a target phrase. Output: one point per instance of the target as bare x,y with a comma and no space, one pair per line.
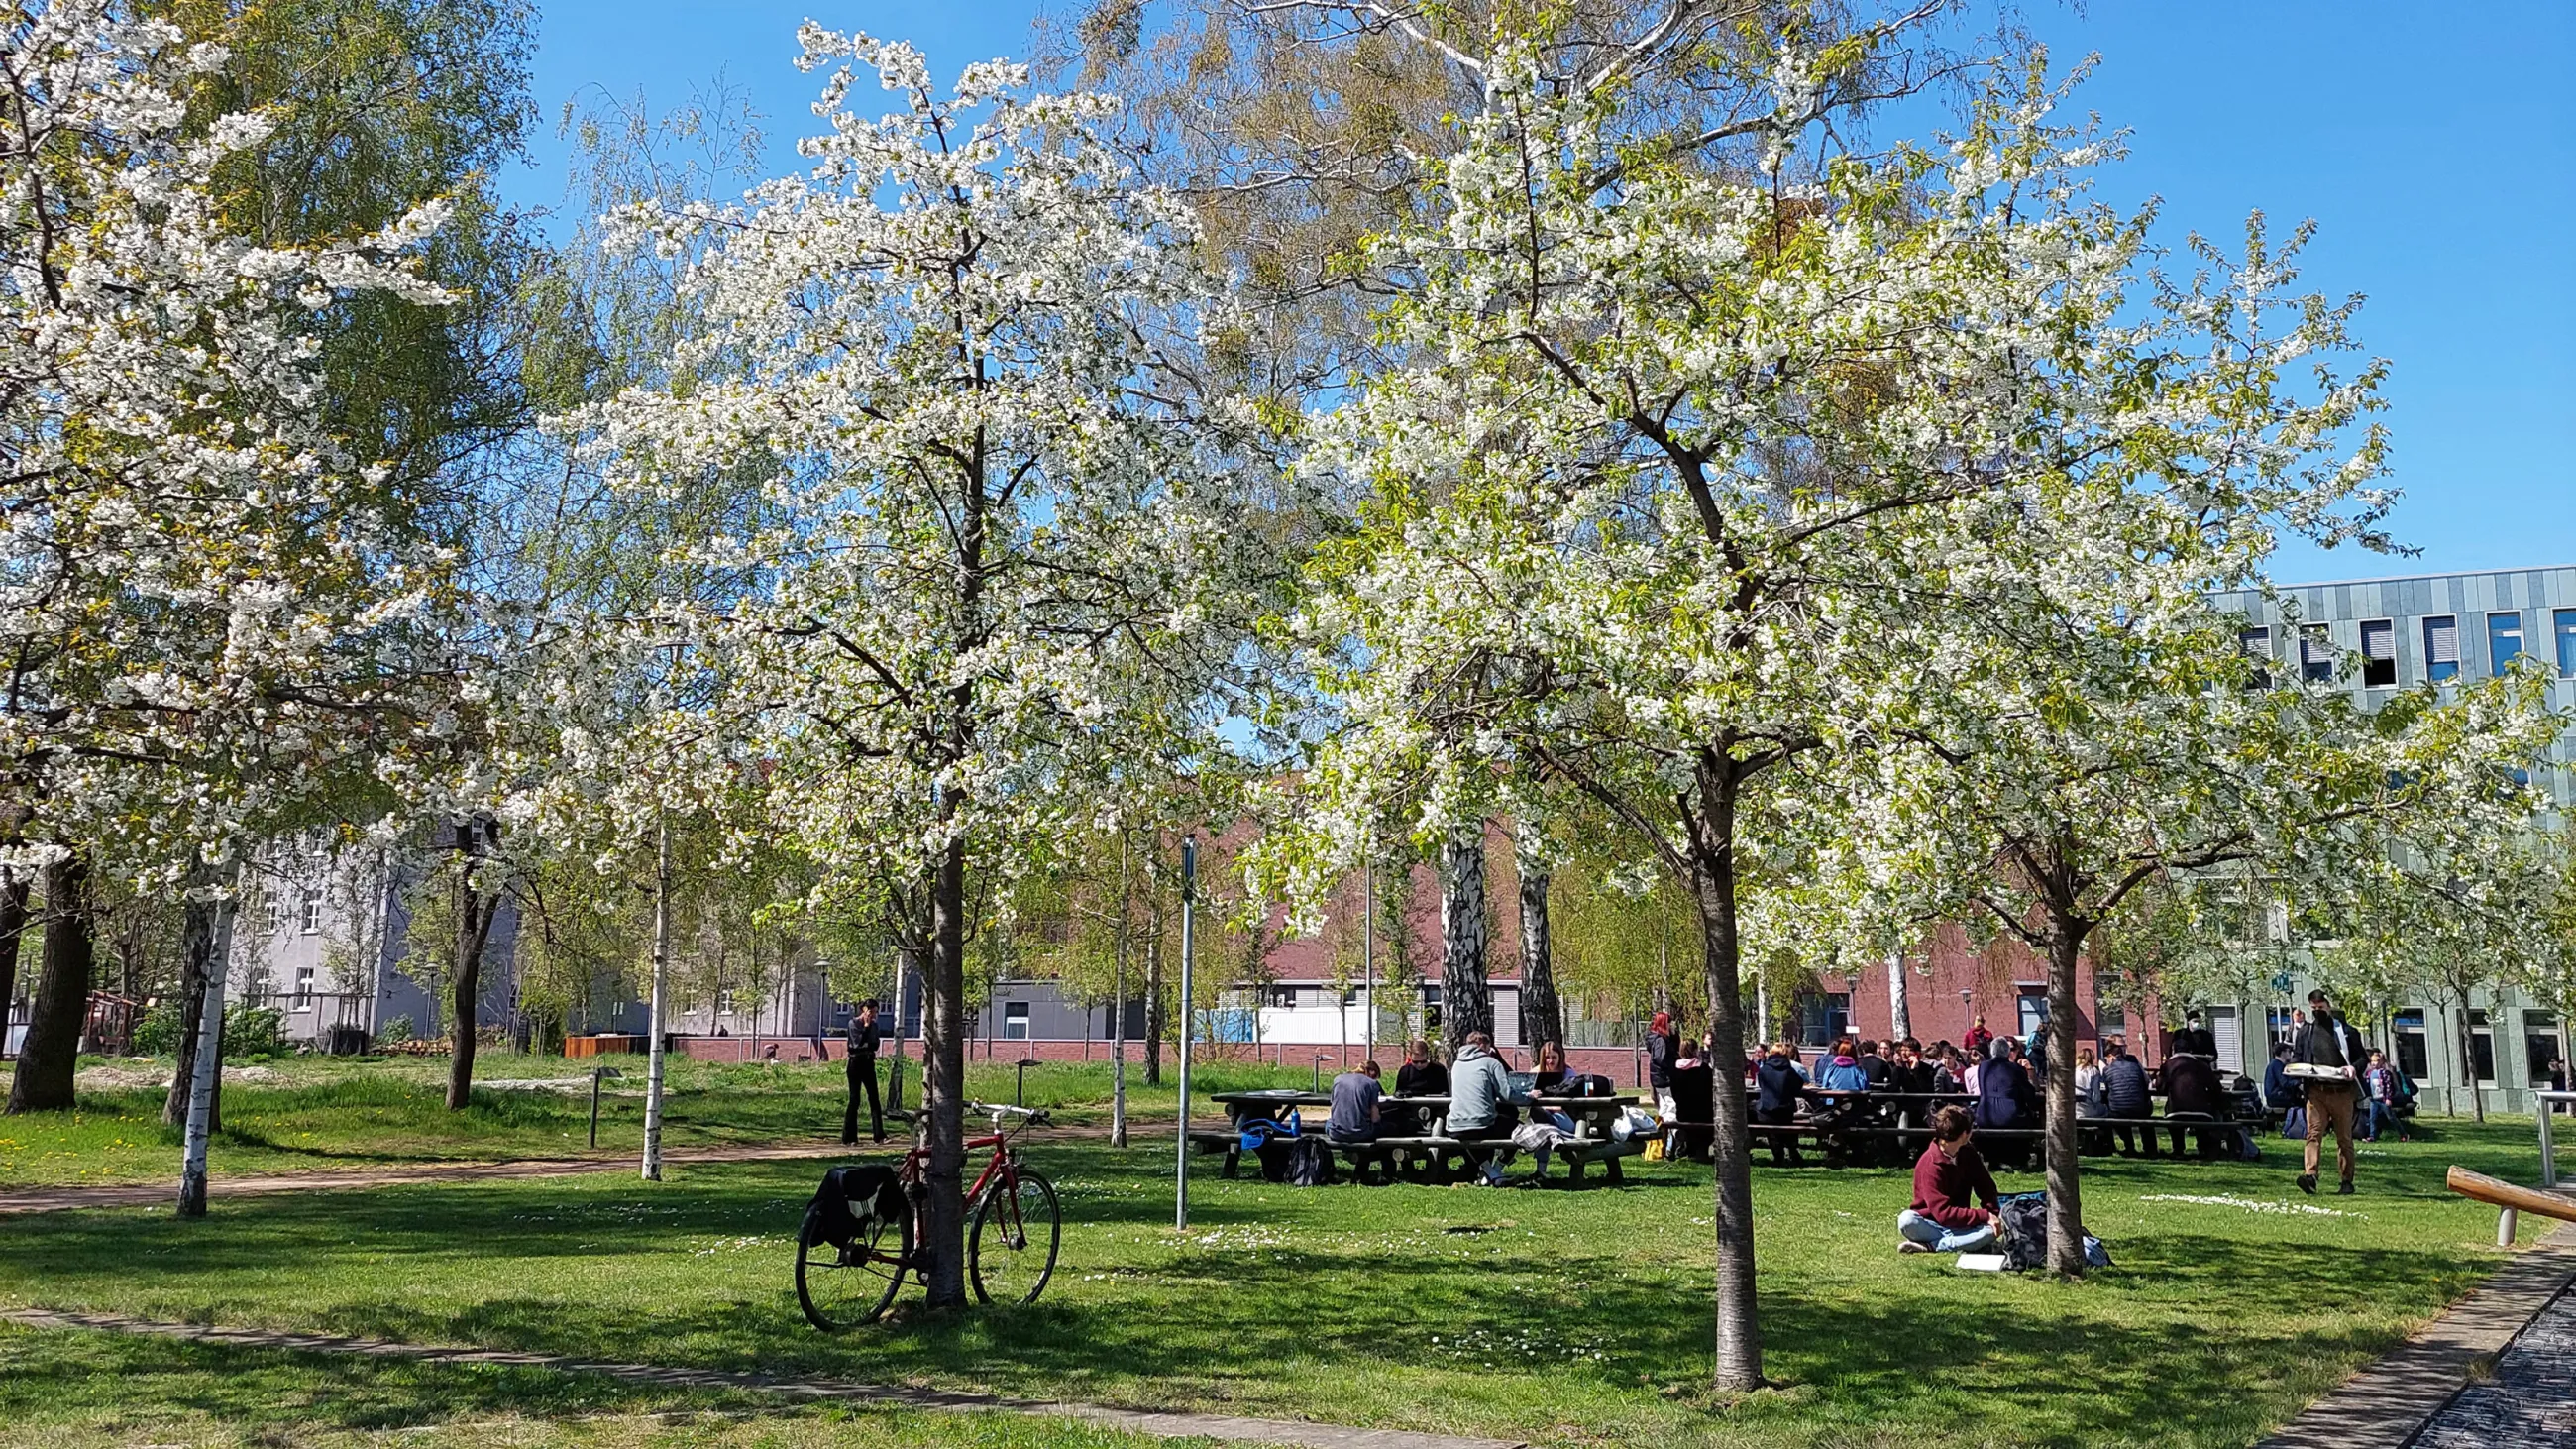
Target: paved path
152,1194
1160,1425
2416,1395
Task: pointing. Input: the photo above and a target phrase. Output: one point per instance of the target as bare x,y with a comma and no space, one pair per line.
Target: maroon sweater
1947,1188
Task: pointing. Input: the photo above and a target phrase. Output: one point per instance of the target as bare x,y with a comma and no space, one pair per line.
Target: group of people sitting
1484,1105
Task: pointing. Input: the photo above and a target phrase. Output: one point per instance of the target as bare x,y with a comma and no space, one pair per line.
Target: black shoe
2344,1188
2308,1183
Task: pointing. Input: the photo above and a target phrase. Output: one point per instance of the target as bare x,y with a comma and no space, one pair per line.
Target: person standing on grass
2379,1097
1950,1184
1977,1040
2329,1042
862,1065
1662,1051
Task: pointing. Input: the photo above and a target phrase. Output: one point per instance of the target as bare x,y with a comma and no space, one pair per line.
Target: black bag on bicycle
851,1197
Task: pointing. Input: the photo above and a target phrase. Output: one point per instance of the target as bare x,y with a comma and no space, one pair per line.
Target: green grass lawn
1566,1317
315,1114
72,1390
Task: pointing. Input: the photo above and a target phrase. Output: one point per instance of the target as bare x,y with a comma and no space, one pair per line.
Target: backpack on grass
1310,1163
2024,1231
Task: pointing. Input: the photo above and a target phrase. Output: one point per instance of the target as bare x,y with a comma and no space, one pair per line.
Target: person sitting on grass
1950,1181
1482,1107
1356,1106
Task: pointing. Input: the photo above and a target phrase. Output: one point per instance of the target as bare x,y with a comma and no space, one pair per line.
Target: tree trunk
198,967
943,1084
1542,1015
652,1166
474,913
1900,1019
2065,1192
1466,997
206,1075
1154,1008
51,1056
1739,1325
2468,1060
13,927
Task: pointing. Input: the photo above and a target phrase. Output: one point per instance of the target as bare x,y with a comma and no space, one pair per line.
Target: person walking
2333,1052
862,1064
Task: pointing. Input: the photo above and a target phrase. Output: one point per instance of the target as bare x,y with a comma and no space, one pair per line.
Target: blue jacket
2004,1096
1841,1074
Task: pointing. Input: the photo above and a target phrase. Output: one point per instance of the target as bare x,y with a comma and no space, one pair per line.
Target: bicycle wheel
1017,1230
845,1287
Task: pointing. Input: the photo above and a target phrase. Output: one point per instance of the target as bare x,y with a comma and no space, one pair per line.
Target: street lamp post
1189,899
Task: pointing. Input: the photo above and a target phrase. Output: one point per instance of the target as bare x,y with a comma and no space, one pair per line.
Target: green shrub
254,1031
157,1034
397,1030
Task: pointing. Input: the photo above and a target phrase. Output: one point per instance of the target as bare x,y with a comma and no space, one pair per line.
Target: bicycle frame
1003,1166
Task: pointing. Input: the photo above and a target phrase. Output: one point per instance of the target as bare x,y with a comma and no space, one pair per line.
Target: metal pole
1368,958
594,1104
2547,1101
1189,895
652,1166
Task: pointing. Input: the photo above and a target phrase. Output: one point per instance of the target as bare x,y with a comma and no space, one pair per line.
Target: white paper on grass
1983,1262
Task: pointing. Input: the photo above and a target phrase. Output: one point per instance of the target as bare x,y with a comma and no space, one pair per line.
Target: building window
1015,1020
1823,1018
303,986
2412,1056
2441,648
2504,641
2378,653
268,920
309,916
2258,645
2110,1018
2033,1004
2316,654
2481,1050
2565,623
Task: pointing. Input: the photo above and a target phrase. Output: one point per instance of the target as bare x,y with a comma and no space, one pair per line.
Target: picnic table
1409,1141
1883,1126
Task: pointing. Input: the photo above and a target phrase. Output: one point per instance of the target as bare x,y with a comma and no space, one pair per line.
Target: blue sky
2434,145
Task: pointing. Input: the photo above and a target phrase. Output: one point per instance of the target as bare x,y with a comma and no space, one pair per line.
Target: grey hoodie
1478,1087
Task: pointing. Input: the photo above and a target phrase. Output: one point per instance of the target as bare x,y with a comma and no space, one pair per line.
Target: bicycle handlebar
1037,1117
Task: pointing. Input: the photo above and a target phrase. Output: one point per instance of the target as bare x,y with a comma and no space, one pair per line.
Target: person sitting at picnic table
2123,1092
1910,1073
2281,1091
1945,1069
2005,1099
1969,1074
1779,1085
1551,1065
2087,1072
1875,1069
1839,1070
1357,1106
1482,1106
2192,1090
1421,1075
1955,1203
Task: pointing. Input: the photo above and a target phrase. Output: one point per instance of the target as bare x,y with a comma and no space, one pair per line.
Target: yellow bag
1654,1149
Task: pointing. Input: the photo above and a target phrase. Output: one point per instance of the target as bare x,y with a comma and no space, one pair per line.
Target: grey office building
2401,632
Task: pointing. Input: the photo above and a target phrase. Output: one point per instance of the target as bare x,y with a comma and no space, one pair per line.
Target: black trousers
863,1076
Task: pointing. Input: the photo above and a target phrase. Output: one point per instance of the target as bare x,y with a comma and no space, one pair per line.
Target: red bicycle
1014,1229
